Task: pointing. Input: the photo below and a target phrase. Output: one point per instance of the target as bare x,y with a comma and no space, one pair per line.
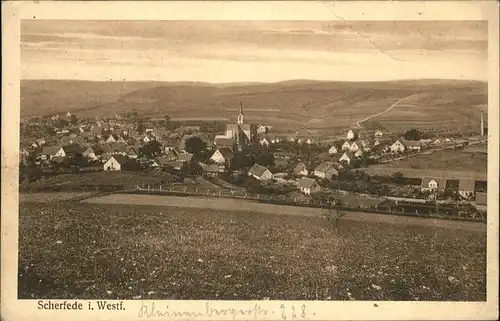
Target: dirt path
358,124
228,204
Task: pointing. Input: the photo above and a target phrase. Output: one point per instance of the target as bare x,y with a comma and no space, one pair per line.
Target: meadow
322,107
81,250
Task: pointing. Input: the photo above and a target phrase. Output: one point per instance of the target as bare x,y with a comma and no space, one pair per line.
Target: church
239,134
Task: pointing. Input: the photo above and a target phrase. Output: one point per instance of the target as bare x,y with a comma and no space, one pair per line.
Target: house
378,134
358,153
346,145
412,145
397,147
185,157
172,155
210,170
308,186
222,156
264,142
90,154
376,143
261,129
132,152
325,170
333,150
347,157
260,173
223,141
49,152
111,139
301,169
466,188
96,131
308,141
351,135
437,142
354,147
115,163
430,184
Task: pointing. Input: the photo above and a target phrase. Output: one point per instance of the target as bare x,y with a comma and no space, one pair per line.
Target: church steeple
240,115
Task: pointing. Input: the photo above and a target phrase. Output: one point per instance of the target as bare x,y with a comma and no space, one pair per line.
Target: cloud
195,44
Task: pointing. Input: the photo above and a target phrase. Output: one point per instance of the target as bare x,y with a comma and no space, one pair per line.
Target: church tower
240,115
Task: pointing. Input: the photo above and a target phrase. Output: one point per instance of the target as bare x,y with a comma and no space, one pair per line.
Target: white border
12,12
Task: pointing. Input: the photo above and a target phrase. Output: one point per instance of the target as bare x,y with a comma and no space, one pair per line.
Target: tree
196,146
139,126
150,149
264,158
412,134
73,119
241,160
398,177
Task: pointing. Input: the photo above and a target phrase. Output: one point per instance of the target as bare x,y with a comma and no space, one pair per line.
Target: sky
253,51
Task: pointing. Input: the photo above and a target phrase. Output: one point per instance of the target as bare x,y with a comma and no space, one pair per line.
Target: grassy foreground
130,252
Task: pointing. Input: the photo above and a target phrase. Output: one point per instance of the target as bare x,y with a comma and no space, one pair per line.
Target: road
240,205
358,124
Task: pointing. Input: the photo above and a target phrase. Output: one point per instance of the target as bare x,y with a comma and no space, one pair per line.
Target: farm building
347,157
49,152
432,184
308,186
466,188
222,156
346,145
115,163
325,170
354,147
260,173
397,147
333,150
412,145
301,169
351,134
90,153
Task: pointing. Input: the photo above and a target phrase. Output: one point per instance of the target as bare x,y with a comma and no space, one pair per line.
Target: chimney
482,124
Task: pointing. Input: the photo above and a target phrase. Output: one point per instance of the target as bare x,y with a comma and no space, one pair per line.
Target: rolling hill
314,107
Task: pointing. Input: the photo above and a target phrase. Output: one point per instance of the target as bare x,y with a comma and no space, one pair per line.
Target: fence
439,212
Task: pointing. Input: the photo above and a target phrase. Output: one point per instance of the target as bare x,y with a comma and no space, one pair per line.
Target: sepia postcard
250,160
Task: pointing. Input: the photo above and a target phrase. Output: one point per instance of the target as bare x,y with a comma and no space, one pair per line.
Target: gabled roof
349,154
411,143
120,159
325,167
440,181
211,168
74,148
299,167
306,182
257,170
223,141
226,152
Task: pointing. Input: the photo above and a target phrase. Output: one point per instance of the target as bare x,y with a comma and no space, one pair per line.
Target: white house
354,147
350,134
308,185
264,142
347,157
466,188
115,163
376,143
50,152
301,169
333,150
432,184
260,173
90,153
412,145
378,134
111,139
222,156
261,129
397,147
325,170
358,153
346,145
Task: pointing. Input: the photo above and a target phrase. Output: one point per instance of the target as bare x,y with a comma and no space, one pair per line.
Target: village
255,159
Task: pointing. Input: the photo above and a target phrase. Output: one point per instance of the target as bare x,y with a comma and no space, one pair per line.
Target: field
389,169
321,107
83,250
445,160
117,180
51,197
